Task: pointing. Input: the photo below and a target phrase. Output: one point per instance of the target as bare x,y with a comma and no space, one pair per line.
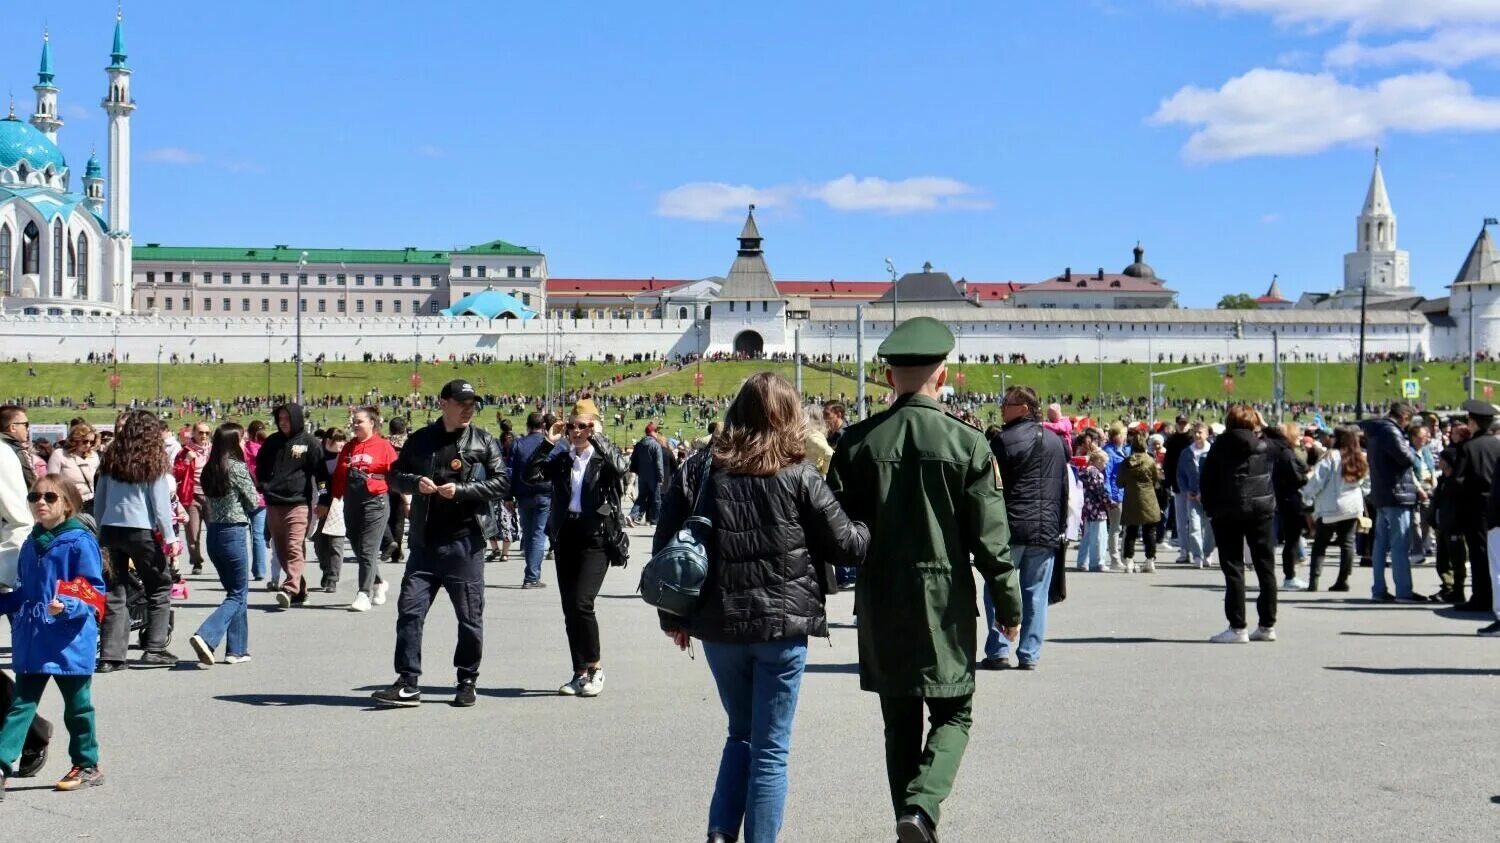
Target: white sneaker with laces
1263,633
237,659
1129,567
1149,567
1293,584
593,683
1231,636
380,590
361,603
573,686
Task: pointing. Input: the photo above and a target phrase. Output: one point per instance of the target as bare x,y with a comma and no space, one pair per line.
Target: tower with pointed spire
750,315
45,119
118,105
93,185
1376,260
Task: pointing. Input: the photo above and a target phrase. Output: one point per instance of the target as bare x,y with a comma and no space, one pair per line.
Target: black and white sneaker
1491,631
399,694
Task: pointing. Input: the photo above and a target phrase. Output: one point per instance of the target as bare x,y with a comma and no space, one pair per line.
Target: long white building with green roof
250,282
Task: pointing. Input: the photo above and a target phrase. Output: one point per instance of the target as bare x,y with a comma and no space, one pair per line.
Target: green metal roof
498,247
284,254
117,55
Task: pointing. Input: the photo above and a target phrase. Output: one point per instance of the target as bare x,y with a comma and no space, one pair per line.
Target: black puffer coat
1034,471
1236,477
1288,473
770,536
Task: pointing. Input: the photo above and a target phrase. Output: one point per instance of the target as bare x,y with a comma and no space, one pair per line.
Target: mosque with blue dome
61,251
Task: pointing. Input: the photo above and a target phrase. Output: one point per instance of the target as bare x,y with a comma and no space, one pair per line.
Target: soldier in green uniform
928,486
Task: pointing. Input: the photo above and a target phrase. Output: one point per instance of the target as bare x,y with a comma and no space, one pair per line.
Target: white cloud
1366,15
923,193
1446,48
1277,112
172,155
717,200
714,200
429,151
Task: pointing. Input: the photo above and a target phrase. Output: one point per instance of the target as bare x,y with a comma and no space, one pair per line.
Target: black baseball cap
458,390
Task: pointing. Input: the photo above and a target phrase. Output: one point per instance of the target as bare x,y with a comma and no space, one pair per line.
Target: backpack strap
702,491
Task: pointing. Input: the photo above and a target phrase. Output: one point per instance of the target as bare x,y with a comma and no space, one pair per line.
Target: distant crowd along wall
68,338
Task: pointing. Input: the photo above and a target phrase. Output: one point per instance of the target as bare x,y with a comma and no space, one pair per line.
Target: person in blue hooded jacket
54,636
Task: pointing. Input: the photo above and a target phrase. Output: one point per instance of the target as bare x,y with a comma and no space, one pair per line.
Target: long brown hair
138,454
1353,465
764,429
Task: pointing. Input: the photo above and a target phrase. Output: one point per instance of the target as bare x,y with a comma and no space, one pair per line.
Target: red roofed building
1137,287
1273,299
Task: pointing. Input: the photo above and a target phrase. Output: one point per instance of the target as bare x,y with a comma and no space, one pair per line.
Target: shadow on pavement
1126,640
1409,634
1414,671
831,668
443,692
293,700
1362,605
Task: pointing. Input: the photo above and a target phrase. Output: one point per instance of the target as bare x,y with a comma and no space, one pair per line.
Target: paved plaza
1363,722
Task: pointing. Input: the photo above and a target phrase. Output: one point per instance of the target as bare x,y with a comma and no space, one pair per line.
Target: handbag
673,577
616,541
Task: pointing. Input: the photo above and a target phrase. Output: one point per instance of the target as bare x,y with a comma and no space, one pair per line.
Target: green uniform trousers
78,716
921,774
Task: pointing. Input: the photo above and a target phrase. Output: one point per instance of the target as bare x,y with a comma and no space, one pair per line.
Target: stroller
135,603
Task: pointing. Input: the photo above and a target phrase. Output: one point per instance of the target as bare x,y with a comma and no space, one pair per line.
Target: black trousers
1232,533
123,545
1340,534
1147,533
455,566
1452,559
1290,523
581,566
1479,563
40,733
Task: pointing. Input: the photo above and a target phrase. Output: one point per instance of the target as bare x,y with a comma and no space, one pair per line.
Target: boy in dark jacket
287,469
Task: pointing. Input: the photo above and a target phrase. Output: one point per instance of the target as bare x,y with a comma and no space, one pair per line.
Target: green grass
1442,382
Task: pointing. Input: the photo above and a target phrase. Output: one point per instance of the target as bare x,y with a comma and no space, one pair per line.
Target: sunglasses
49,497
579,426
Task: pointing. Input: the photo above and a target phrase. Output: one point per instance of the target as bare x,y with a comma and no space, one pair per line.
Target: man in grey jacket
1034,471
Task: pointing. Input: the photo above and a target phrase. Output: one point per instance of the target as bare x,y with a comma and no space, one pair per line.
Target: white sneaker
1263,633
593,683
1231,636
1129,567
361,603
283,600
205,652
1149,567
237,659
380,589
1293,584
573,686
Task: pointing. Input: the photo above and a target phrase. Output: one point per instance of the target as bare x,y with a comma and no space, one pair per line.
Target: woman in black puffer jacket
775,524
1236,490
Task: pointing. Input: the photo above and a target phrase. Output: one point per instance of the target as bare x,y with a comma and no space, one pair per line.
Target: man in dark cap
1473,474
929,487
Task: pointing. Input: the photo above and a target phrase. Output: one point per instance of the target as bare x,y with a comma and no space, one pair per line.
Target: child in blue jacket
55,636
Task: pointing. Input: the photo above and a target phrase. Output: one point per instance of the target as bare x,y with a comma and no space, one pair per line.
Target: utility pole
301,274
797,359
1359,372
859,361
1277,387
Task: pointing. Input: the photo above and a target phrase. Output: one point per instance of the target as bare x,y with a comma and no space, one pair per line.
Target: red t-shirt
373,457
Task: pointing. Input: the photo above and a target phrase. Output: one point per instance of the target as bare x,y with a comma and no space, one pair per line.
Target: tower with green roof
45,119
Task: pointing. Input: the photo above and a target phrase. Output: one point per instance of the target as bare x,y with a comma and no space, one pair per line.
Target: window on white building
343,280
380,280
341,305
208,278
359,279
226,278
283,306
434,283
468,271
245,305
208,304
301,279
510,272
322,305
322,279
481,270
302,305
151,302
359,306
167,278
432,306
168,302
244,278
396,305
227,305
525,272
151,278
379,306
265,278
285,279
395,280
265,305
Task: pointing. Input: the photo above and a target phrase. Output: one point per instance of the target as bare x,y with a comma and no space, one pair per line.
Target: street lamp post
114,377
1099,359
890,266
301,273
158,377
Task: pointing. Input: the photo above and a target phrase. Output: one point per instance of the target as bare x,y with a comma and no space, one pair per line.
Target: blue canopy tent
491,304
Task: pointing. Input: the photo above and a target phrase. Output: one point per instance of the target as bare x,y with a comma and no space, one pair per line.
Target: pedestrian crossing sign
1411,388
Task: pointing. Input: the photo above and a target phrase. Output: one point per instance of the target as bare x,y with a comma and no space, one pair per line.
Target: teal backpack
673,577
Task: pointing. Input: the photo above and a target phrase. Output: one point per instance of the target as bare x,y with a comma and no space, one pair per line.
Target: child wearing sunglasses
55,611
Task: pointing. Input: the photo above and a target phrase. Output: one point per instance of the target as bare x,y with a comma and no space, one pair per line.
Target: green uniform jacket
928,487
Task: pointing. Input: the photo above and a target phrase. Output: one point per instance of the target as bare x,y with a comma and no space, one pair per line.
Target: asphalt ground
1364,722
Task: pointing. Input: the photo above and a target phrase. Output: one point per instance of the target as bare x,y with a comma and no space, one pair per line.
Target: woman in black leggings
1336,493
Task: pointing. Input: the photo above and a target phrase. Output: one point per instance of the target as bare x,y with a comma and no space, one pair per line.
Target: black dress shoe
108,667
995,664
32,762
915,828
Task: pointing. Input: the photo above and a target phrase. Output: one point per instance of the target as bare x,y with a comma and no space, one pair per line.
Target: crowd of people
798,503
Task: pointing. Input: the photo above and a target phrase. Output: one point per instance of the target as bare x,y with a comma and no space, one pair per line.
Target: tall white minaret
1376,260
45,119
118,105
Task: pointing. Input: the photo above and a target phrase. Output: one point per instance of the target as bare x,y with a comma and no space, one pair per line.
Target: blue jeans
758,685
533,511
228,551
1197,536
258,544
1091,547
1035,566
1393,538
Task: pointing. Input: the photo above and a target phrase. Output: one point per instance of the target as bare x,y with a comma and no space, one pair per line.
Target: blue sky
1001,141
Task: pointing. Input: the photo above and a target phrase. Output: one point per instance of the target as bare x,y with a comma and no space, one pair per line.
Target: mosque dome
22,142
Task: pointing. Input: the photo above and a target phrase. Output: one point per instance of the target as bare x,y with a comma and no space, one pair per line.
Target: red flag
83,590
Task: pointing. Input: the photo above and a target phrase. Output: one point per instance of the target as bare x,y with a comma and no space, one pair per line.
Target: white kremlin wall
1039,336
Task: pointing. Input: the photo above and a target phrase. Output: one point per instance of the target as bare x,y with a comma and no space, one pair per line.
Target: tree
1238,301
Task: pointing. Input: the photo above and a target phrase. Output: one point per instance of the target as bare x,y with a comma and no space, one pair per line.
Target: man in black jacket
287,469
1473,476
1393,494
1034,472
1180,440
452,470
